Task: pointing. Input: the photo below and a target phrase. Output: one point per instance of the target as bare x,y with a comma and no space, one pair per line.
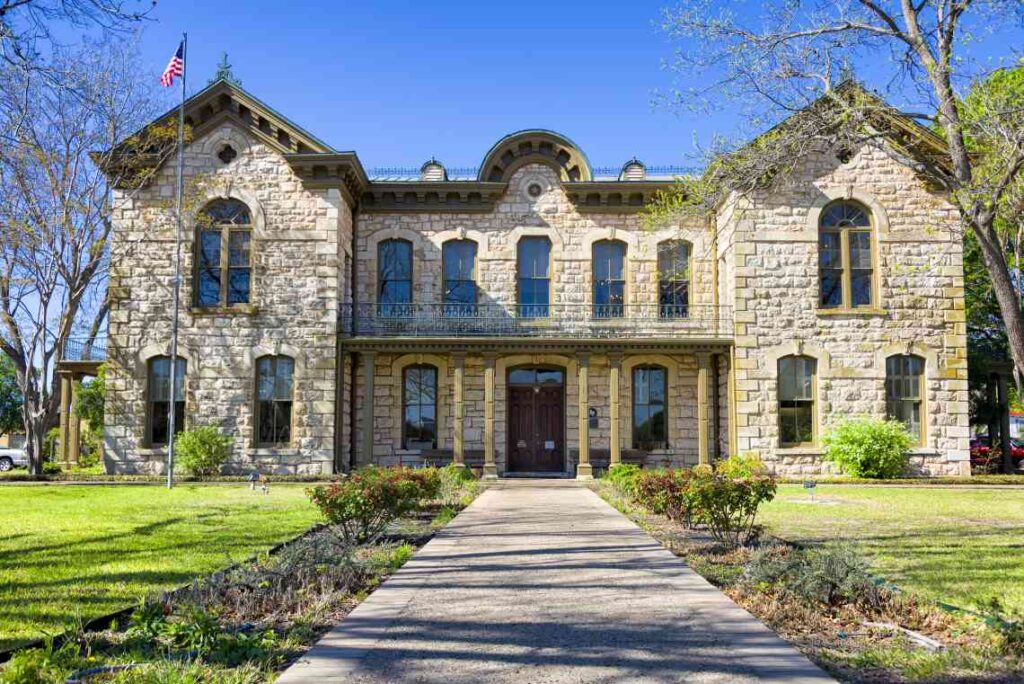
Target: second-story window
394,278
223,254
845,267
458,263
533,270
609,278
673,279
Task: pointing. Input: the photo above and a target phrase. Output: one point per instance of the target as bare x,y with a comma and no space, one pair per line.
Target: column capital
490,358
459,358
583,358
703,359
615,359
369,354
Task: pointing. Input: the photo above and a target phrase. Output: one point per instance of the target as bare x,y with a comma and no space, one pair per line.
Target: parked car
12,458
981,452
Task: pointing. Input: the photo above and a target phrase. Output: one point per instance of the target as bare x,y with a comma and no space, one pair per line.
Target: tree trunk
1007,295
35,437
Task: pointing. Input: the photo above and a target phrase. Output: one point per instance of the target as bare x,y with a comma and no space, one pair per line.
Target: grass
80,552
957,546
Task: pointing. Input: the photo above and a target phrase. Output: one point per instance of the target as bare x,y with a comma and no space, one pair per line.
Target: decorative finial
224,72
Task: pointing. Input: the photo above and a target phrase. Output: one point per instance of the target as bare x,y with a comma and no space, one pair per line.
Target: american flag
174,68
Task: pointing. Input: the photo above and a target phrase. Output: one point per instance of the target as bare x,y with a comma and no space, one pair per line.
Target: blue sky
400,81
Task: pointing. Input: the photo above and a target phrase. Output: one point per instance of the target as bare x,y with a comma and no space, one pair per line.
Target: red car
981,452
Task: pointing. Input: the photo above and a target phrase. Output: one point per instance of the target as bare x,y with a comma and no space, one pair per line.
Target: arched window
845,266
673,279
394,277
458,263
223,254
609,278
533,271
796,400
158,399
904,389
419,407
274,392
650,416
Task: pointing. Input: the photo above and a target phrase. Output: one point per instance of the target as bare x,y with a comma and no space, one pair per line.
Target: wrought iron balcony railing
82,349
579,321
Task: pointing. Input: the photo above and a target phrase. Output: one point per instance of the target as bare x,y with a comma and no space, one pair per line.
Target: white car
12,458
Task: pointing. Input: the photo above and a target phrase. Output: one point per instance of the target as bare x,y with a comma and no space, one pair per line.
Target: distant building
519,317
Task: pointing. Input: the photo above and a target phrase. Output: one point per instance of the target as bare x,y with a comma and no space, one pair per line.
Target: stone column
458,448
615,367
65,415
490,468
731,404
369,363
703,414
584,471
74,449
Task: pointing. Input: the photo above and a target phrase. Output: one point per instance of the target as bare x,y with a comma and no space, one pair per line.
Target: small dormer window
227,154
433,170
634,169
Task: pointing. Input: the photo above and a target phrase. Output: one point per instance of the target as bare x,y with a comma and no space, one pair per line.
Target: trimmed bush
202,450
665,492
867,447
833,575
361,506
728,505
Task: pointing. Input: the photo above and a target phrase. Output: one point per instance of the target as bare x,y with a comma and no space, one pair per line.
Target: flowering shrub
867,447
665,492
623,477
728,505
362,506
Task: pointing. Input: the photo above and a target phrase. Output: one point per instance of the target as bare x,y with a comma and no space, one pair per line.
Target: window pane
459,292
522,376
657,385
843,215
860,282
860,250
394,260
265,379
641,387
283,379
550,377
459,257
228,211
534,257
283,422
209,287
238,286
209,249
673,260
787,378
609,259
266,422
830,251
831,288
238,248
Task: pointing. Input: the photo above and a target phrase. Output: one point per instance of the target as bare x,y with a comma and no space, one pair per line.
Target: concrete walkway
542,581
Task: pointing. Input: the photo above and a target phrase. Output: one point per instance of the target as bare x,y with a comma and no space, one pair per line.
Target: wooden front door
536,421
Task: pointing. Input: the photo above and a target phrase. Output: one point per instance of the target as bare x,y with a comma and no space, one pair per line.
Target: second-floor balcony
576,321
81,349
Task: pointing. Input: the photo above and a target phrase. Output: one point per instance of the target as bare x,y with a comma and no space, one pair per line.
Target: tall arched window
904,389
458,263
533,276
223,254
274,392
394,277
796,400
845,268
158,399
673,279
650,416
609,278
419,407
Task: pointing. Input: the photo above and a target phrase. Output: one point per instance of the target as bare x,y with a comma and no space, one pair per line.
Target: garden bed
247,622
893,637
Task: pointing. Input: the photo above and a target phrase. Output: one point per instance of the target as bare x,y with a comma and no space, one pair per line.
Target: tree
795,64
69,141
10,399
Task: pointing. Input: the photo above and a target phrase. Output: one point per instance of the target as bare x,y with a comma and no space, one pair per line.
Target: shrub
869,447
362,506
39,665
623,476
202,450
728,505
831,575
665,492
458,486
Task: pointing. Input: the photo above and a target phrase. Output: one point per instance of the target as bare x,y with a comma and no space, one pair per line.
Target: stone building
521,318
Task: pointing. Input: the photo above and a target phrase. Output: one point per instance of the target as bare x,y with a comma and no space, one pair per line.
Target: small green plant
258,647
203,450
41,665
1008,627
868,447
148,621
623,476
832,575
194,630
458,485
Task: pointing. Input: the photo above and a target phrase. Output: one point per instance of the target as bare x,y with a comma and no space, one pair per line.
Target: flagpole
177,269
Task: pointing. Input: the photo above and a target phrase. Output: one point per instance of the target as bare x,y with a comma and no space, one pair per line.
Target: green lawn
90,550
956,545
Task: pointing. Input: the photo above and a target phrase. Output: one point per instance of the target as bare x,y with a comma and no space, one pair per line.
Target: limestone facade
318,223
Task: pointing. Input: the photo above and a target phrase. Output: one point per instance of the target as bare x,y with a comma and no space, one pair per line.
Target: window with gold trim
845,261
